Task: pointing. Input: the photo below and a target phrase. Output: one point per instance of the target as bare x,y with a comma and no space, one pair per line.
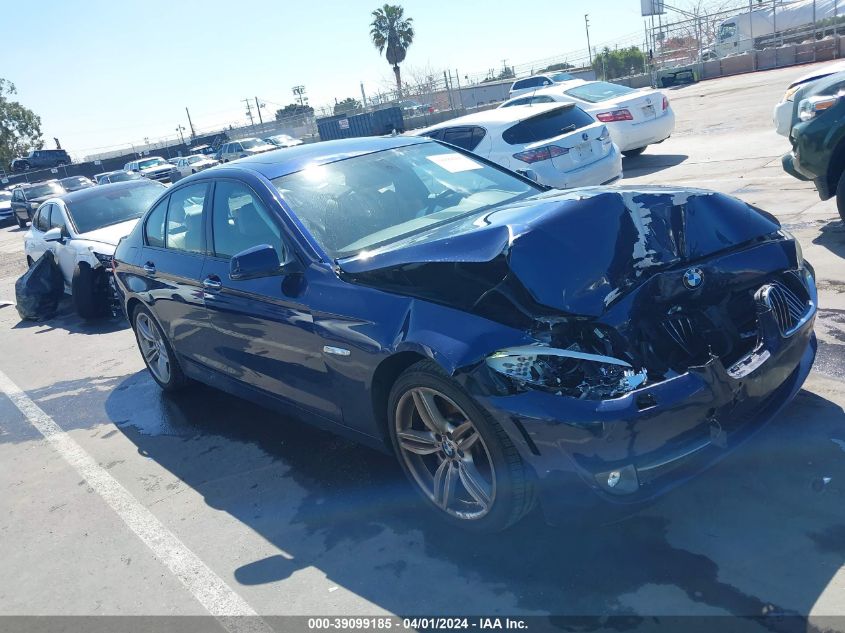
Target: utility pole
587,25
191,124
299,92
258,107
363,96
249,112
448,91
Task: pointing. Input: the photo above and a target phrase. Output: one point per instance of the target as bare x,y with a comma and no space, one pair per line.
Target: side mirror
54,235
260,261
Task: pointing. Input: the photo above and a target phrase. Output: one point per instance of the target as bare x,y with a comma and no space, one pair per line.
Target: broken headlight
568,372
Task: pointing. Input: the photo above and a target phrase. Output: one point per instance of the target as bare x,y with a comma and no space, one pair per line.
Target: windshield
251,142
120,176
598,91
76,183
150,162
195,159
112,206
44,189
727,31
365,202
558,77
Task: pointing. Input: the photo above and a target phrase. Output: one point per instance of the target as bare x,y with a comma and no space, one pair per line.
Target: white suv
243,148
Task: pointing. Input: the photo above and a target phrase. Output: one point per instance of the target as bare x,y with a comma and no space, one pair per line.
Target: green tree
294,110
610,64
392,33
20,127
347,105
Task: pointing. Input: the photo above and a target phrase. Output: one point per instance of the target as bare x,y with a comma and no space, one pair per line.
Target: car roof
285,161
96,192
499,117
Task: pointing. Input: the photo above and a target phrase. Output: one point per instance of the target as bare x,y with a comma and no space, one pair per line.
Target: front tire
840,196
455,454
156,351
87,299
629,153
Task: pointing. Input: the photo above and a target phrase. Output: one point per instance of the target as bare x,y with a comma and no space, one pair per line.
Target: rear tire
84,288
154,345
629,153
840,196
29,261
21,223
481,453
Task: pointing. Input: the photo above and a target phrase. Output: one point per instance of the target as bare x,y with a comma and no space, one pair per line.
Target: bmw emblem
693,278
585,136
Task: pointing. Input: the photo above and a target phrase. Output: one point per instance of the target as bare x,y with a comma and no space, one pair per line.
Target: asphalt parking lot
233,509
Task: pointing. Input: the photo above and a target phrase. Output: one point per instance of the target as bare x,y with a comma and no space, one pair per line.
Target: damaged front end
661,325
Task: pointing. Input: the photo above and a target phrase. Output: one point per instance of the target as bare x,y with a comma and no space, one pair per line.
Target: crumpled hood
110,235
579,251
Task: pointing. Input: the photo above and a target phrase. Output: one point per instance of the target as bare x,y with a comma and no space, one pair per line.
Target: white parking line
220,600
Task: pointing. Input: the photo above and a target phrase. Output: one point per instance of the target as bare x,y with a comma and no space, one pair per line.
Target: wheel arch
835,167
384,377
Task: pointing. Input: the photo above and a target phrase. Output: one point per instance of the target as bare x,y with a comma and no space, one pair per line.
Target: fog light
613,478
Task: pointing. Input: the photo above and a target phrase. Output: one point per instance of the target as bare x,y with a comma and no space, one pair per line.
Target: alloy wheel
153,347
445,453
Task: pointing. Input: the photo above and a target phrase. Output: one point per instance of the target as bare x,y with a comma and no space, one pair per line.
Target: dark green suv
818,138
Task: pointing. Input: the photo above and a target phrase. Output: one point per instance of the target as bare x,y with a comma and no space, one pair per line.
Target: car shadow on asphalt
646,164
832,237
727,541
66,319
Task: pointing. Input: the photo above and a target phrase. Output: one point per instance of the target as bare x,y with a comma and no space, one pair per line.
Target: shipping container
376,123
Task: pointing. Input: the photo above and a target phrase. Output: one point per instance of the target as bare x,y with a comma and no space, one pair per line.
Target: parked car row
569,134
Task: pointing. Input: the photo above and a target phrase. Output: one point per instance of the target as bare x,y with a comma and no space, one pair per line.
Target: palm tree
391,30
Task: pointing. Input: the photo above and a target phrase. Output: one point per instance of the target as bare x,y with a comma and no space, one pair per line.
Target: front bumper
657,436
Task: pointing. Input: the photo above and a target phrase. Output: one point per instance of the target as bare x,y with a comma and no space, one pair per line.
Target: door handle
212,283
150,268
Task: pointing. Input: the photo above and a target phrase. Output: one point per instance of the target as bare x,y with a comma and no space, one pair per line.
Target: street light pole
179,129
587,26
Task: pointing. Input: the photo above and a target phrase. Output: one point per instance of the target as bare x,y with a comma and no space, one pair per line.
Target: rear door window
547,125
185,230
154,227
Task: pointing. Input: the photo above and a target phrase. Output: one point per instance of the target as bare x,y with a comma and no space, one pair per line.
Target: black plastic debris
40,289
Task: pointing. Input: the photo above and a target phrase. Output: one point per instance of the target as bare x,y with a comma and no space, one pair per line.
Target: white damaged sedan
82,229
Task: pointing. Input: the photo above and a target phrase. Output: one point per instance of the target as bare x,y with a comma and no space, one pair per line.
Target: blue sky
107,73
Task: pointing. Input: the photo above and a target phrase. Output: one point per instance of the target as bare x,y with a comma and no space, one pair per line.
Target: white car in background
234,150
556,144
283,140
635,118
782,115
187,165
6,212
536,82
82,229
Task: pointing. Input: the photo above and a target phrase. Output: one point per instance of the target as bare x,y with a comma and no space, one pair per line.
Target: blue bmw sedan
508,343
